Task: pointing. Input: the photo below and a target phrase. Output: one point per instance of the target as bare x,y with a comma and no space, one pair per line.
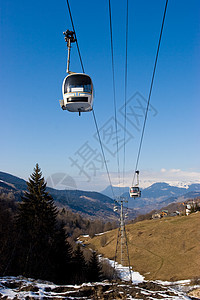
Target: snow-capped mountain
156,190
157,195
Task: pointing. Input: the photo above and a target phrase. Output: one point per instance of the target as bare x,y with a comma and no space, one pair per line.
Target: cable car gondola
77,88
77,92
135,190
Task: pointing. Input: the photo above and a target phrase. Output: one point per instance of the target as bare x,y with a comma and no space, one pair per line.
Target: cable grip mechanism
69,38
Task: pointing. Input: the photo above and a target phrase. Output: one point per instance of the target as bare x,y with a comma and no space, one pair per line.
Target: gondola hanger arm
69,38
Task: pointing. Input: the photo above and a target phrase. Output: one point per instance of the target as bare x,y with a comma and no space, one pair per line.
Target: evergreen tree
79,266
7,234
37,224
37,208
94,268
62,257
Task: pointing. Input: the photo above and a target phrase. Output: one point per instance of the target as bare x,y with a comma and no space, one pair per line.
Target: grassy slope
166,249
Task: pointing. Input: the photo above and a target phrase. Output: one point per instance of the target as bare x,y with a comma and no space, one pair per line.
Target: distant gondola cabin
135,192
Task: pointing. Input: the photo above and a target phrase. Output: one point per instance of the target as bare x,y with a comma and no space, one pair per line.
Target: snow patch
9,184
27,288
101,233
124,273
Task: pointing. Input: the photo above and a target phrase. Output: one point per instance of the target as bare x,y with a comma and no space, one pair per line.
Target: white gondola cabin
135,190
77,92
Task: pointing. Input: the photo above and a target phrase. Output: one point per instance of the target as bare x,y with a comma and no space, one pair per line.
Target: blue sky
33,66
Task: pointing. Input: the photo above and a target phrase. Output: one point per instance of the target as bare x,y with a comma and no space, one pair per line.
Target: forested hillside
88,204
37,240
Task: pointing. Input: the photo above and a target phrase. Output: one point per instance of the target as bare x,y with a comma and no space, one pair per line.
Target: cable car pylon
122,238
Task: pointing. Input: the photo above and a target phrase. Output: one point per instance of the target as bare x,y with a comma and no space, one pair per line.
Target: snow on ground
101,233
19,287
96,234
180,287
124,273
26,288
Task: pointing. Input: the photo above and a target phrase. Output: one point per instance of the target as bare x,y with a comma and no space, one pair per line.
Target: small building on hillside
156,216
188,209
192,206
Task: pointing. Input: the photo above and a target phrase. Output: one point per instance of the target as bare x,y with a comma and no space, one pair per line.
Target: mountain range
156,196
156,190
94,204
88,204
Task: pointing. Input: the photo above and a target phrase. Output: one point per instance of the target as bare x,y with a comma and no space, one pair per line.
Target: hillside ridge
95,204
165,249
89,204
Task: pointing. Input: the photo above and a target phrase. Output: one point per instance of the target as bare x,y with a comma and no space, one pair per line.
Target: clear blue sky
32,67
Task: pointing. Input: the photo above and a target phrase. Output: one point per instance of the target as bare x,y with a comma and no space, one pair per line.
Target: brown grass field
164,249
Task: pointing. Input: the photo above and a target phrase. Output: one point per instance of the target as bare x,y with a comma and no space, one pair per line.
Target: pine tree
7,234
62,257
37,225
79,266
37,208
94,268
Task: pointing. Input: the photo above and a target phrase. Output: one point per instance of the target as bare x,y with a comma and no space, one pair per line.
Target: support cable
121,230
104,158
151,86
125,91
95,121
114,92
79,53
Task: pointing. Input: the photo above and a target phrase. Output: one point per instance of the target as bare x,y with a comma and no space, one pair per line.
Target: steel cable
151,86
95,121
104,158
114,91
125,90
79,53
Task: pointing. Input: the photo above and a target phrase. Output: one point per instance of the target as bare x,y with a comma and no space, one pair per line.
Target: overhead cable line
122,228
104,158
125,90
79,53
95,121
151,86
114,91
